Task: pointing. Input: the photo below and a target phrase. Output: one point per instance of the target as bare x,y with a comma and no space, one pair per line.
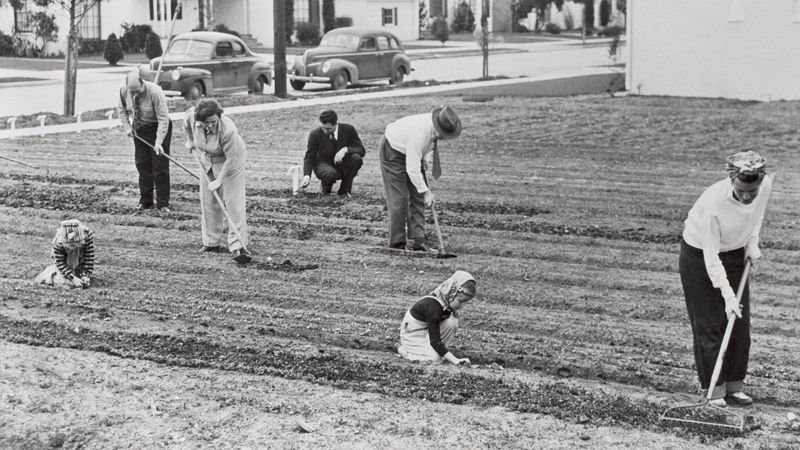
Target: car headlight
175,75
326,66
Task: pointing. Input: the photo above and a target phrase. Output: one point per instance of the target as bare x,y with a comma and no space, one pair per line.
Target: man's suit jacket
322,149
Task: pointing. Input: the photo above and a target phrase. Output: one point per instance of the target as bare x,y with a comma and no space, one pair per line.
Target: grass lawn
568,212
84,62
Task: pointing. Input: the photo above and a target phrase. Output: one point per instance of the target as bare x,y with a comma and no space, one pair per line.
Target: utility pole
279,44
485,37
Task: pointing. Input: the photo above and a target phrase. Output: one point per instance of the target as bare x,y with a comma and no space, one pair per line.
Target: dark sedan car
206,63
351,55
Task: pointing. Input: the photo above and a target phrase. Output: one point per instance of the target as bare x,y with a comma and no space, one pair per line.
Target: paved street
98,87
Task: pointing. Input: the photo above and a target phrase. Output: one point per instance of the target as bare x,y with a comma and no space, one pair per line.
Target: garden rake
730,419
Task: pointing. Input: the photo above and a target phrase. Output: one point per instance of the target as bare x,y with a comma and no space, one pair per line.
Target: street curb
77,127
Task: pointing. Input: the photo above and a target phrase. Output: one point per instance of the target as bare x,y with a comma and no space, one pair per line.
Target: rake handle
231,223
728,330
173,160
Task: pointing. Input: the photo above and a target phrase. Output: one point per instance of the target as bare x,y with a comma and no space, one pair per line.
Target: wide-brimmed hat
446,122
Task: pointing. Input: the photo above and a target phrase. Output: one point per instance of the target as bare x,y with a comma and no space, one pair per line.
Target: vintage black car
206,63
350,55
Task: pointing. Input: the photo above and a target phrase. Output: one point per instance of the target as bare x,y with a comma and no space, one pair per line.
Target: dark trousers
153,170
345,171
706,309
406,206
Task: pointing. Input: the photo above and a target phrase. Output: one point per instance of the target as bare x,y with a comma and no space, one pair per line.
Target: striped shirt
85,258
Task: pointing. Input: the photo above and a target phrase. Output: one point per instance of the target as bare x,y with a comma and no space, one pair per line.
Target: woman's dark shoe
241,256
739,398
207,248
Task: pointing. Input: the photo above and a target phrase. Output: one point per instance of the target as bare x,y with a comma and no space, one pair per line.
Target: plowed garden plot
568,212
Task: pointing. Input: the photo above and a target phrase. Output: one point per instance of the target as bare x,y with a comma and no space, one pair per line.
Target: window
302,9
393,43
224,50
388,16
89,26
238,49
159,6
368,44
22,17
383,43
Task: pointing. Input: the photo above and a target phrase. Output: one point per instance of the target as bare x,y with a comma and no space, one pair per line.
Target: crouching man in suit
335,153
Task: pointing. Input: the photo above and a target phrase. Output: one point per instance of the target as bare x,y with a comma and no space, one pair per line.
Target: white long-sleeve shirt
719,223
413,136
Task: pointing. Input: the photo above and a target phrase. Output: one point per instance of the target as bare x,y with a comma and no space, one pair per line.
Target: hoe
695,413
441,254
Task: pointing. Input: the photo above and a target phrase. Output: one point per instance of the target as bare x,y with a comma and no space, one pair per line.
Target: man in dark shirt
334,153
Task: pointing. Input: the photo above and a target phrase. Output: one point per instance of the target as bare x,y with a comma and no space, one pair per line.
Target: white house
741,49
253,17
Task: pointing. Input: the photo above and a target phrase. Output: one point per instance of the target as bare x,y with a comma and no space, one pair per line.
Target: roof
360,31
210,36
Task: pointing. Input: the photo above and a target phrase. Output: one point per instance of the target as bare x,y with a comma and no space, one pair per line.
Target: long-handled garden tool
244,254
18,161
732,419
173,160
441,254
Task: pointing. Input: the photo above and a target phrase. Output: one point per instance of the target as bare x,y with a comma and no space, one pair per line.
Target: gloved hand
752,251
158,149
428,199
337,159
732,306
214,185
85,280
306,180
76,282
189,146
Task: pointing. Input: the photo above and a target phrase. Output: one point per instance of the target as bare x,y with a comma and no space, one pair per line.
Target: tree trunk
279,46
485,38
71,70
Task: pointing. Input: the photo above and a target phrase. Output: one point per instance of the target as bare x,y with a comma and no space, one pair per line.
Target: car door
386,54
368,58
221,69
241,64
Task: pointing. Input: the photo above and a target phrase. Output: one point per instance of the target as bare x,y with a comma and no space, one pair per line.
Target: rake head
703,414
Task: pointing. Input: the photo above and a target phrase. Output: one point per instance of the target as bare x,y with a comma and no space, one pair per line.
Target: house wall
738,49
260,19
367,13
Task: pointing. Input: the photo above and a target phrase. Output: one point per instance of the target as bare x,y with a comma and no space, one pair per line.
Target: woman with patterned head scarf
73,254
720,234
430,325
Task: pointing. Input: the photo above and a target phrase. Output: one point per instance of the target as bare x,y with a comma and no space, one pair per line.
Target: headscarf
71,232
747,163
447,291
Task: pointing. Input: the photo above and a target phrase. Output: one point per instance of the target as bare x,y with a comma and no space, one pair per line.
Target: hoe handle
167,156
436,225
727,337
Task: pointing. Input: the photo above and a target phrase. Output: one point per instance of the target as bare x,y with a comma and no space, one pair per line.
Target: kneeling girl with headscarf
431,324
73,256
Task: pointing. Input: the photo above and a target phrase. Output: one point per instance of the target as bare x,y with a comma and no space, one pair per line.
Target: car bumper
309,78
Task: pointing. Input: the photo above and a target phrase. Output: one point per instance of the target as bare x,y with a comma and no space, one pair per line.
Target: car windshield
340,40
190,47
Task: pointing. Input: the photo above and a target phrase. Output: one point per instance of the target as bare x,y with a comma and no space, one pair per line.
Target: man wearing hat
143,113
408,146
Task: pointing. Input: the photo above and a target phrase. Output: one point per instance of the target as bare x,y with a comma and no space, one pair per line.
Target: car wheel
259,85
195,92
297,85
397,75
339,81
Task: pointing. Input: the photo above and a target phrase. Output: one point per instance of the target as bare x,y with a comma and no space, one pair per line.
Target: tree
605,12
328,15
423,16
289,16
464,19
520,9
588,14
152,45
45,29
440,30
112,51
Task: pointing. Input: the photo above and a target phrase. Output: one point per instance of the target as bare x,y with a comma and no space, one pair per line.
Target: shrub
588,13
112,52
440,30
45,29
6,45
552,28
344,21
289,15
611,31
134,37
222,28
308,33
92,46
152,45
464,20
328,15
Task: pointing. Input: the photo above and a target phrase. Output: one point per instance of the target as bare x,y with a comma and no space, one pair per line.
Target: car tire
259,85
195,91
297,85
397,75
339,81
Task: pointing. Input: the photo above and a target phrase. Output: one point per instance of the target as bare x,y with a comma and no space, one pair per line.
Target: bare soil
568,212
